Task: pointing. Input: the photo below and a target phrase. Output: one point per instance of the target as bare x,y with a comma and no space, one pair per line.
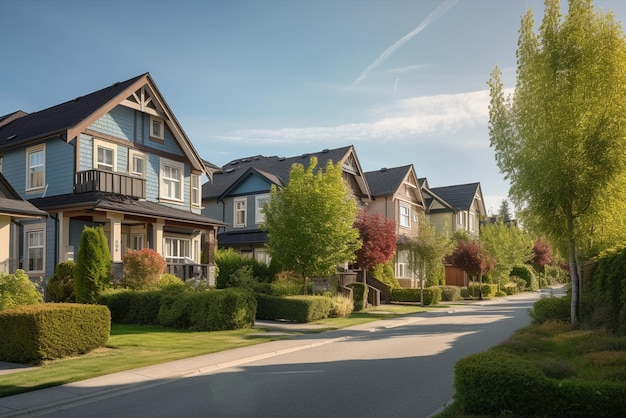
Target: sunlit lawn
133,346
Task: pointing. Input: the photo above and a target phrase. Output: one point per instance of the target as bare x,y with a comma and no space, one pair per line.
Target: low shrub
31,334
527,273
450,293
142,268
384,272
228,261
169,281
551,309
474,290
359,295
133,306
293,308
432,295
341,306
60,287
17,290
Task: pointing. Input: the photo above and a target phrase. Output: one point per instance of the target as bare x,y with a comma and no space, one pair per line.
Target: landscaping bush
61,285
450,293
384,272
142,268
341,306
405,295
516,285
526,272
228,261
31,334
493,382
551,309
474,290
17,290
169,281
92,272
359,295
293,308
133,306
432,295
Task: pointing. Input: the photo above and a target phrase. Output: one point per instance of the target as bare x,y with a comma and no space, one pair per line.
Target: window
171,180
460,218
471,221
404,216
196,196
136,241
104,155
262,256
136,163
35,167
240,213
157,128
177,249
259,201
34,238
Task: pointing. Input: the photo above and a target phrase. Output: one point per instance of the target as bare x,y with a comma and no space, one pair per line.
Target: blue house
116,157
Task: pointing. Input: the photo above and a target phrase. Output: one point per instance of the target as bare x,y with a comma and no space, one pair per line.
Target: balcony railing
196,272
110,182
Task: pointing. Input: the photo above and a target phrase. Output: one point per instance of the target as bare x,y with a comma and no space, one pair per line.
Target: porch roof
238,238
122,204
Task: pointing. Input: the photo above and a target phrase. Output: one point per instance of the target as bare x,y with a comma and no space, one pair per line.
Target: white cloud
438,118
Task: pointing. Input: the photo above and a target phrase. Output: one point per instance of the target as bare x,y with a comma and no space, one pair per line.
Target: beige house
396,194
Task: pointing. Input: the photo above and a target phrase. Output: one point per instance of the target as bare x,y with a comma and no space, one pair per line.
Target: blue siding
152,178
119,122
169,144
253,184
86,153
14,169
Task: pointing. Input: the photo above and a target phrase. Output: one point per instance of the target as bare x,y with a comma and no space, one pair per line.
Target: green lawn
133,346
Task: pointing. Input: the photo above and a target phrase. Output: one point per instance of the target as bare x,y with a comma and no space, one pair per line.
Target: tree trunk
573,271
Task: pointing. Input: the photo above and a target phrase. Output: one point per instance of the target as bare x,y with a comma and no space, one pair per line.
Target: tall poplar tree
310,221
560,137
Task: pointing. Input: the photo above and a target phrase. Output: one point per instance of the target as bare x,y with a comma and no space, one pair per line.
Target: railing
108,181
196,272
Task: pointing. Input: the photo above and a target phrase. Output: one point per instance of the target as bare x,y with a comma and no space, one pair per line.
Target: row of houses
118,157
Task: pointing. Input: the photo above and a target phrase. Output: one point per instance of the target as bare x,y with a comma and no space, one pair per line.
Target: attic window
157,128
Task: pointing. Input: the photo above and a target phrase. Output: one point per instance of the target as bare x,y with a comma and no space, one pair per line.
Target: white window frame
262,256
30,151
471,221
154,121
182,249
196,190
240,209
259,201
166,181
136,155
34,229
137,241
460,219
108,146
404,219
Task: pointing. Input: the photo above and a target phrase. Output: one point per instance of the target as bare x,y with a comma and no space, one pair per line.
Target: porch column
158,236
115,221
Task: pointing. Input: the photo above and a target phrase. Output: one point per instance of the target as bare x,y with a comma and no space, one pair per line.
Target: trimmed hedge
551,309
490,383
293,308
526,272
213,310
488,290
31,334
450,293
432,295
359,295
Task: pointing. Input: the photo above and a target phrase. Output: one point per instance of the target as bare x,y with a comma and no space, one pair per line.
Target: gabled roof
275,169
459,196
69,119
386,181
13,205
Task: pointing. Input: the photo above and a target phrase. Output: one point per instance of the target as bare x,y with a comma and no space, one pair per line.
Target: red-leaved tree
469,257
378,235
542,254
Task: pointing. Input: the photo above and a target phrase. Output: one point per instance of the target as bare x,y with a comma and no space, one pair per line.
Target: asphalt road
398,368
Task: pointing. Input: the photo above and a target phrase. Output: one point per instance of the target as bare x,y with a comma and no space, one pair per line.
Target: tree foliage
542,254
472,259
93,267
507,245
17,290
378,239
559,139
310,221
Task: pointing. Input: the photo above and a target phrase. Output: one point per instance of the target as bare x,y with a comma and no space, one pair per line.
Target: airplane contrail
433,16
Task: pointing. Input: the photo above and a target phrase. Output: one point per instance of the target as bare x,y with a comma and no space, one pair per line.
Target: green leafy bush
359,295
293,308
133,306
142,268
527,273
61,285
551,309
17,290
474,290
384,272
92,272
169,281
228,261
341,306
450,293
432,295
31,334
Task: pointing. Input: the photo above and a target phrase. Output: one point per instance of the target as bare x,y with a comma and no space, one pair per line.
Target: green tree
504,213
559,138
92,271
17,290
310,221
426,253
508,245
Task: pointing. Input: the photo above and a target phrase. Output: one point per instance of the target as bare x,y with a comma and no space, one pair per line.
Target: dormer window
157,128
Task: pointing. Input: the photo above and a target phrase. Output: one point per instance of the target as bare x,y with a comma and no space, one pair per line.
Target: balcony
109,182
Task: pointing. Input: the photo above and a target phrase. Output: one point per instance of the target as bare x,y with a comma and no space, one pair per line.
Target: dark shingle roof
12,204
459,196
58,119
386,181
274,168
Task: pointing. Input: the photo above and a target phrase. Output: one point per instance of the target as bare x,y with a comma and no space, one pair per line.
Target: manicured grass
564,353
133,346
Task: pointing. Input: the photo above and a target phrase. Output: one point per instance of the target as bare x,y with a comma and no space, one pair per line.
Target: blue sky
402,81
